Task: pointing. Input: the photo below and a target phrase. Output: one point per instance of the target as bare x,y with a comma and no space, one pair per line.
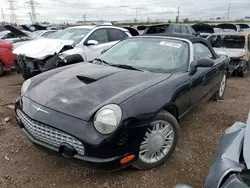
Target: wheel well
2,63
172,109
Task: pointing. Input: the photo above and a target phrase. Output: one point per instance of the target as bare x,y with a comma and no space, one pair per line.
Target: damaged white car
237,46
72,45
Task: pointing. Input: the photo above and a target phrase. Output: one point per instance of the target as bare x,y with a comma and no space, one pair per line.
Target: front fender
75,53
144,105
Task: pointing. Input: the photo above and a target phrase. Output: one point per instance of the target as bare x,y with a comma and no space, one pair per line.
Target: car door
106,38
203,80
93,51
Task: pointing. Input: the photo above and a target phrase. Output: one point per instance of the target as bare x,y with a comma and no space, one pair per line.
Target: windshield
36,34
75,34
228,41
151,54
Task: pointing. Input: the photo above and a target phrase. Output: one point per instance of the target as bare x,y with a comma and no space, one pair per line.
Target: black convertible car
124,108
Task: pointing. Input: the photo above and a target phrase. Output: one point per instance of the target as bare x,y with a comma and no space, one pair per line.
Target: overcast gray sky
71,10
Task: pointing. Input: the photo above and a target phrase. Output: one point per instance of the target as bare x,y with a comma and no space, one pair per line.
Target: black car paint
141,95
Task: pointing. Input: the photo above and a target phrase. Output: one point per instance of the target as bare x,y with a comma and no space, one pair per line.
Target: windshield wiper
102,61
125,67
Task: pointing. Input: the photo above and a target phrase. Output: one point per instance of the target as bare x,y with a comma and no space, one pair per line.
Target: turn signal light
127,159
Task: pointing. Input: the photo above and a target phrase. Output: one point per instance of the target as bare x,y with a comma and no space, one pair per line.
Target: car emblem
39,109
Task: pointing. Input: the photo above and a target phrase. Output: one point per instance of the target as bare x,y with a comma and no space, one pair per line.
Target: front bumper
235,65
100,151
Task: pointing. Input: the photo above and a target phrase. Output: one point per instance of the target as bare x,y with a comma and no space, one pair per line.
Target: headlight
25,86
108,118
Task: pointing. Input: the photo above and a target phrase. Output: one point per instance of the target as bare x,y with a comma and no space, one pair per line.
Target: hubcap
222,86
157,142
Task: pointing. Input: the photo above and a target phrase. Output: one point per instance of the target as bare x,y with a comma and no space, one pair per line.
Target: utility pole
31,19
84,18
12,8
3,15
136,14
32,5
178,15
228,11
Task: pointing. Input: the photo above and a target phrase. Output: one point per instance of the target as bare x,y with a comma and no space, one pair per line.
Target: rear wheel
2,70
159,141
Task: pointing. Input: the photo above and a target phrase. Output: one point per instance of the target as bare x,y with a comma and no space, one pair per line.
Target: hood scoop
85,79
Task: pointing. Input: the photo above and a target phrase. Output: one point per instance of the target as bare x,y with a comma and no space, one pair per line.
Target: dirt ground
21,165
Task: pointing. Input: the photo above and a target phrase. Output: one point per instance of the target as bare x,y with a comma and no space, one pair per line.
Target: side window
177,29
184,29
116,34
157,29
201,51
100,35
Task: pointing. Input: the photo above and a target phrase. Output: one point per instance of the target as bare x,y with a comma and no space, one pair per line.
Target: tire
155,140
2,70
242,72
221,91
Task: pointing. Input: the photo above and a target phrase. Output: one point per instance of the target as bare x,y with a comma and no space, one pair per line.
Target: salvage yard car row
122,105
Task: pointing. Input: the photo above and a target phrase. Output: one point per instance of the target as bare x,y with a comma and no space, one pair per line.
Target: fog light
127,159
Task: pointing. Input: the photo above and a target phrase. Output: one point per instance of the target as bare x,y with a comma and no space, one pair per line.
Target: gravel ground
22,165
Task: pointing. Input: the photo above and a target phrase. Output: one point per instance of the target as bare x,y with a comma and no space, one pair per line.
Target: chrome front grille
48,134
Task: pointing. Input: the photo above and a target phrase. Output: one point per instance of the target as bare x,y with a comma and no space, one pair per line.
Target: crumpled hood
232,53
82,89
42,48
227,156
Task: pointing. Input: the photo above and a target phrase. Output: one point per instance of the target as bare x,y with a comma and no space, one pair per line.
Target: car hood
42,48
5,44
232,53
227,158
33,27
16,31
80,90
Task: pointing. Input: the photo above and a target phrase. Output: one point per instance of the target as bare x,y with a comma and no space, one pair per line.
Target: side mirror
92,42
203,62
182,186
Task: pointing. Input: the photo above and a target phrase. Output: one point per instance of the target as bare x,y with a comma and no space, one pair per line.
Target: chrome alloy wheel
157,142
222,85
